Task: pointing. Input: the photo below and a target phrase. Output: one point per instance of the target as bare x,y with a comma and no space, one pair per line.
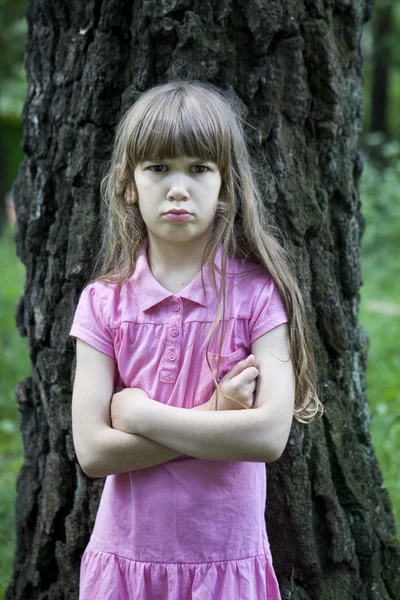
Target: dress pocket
206,385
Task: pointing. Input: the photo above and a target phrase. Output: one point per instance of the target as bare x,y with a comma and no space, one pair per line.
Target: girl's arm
100,449
258,435
119,452
116,451
238,384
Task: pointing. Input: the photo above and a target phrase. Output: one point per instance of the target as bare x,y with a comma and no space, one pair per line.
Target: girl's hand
239,384
125,409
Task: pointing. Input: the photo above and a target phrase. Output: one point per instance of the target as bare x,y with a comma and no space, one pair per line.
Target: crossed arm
155,433
225,435
258,435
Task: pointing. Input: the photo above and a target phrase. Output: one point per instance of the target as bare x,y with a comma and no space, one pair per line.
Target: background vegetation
380,292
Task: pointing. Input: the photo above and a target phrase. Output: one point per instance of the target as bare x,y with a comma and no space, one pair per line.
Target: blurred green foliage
13,28
387,45
14,366
380,313
381,193
11,131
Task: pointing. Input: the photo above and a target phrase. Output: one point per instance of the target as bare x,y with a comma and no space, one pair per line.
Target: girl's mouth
178,216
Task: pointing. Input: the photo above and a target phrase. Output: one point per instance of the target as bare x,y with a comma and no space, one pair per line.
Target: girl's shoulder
254,296
102,297
245,273
100,290
247,285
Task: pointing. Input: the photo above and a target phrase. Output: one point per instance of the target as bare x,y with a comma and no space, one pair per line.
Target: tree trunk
296,66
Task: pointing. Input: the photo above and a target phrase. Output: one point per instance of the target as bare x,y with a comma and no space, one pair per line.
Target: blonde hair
187,118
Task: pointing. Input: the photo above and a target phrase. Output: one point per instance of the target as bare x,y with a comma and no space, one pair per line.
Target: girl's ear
131,195
127,192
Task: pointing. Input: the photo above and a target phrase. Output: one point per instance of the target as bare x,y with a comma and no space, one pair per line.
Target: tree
296,69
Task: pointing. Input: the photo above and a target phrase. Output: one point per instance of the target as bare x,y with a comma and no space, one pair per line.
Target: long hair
194,119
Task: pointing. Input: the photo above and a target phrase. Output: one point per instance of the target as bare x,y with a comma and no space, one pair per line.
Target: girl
187,321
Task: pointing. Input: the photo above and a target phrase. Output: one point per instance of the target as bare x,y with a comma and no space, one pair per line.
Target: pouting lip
178,211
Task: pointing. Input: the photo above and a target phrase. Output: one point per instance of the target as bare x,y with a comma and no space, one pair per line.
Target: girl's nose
178,190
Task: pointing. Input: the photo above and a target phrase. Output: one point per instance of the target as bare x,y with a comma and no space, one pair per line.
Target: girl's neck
174,266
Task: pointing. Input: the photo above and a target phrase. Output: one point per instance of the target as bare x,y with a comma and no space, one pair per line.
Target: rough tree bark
296,68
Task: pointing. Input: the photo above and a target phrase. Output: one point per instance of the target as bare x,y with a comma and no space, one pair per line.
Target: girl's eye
157,168
197,169
204,168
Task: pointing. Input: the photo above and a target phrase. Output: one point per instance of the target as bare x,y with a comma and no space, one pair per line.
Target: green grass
379,315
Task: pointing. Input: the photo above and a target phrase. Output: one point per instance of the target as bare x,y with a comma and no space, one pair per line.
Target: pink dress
189,529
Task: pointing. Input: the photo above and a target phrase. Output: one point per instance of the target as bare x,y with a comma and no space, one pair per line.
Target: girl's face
178,197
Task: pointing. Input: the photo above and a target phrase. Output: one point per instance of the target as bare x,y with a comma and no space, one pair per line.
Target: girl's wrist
145,410
133,410
209,405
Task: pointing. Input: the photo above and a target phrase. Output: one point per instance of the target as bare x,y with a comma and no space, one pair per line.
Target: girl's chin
178,234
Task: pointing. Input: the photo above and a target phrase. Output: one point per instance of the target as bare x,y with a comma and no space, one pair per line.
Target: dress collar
151,292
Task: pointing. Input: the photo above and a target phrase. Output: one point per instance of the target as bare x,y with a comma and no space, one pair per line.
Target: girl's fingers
248,375
240,366
252,385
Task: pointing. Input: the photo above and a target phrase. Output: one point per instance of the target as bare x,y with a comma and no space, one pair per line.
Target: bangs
177,123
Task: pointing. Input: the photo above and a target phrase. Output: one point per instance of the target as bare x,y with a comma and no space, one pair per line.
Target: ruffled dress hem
107,576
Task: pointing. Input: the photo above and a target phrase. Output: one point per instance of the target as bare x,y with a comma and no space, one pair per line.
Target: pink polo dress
189,529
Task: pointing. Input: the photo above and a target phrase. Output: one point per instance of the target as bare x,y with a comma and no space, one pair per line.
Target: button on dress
189,529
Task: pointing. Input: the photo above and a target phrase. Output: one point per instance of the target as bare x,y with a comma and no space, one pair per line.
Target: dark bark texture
295,67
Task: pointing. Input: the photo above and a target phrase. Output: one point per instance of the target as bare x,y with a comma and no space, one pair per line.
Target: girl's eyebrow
192,160
197,160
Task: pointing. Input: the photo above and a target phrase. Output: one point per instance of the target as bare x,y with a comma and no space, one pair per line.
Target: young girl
192,358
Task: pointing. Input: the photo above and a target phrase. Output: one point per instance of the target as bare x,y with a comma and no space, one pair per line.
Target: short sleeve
268,311
90,323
